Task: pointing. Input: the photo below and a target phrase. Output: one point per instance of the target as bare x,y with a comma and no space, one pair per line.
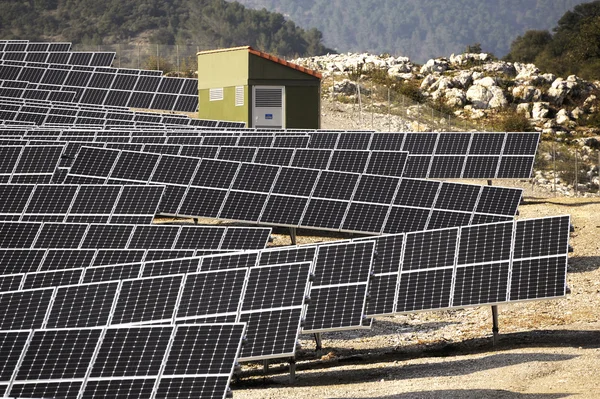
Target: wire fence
378,107
171,59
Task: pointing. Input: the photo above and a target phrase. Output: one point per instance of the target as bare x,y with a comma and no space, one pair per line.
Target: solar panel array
431,155
258,295
287,196
132,204
98,85
339,266
83,273
470,266
125,362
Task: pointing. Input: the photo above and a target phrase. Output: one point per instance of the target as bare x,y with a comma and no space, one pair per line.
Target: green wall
225,109
302,107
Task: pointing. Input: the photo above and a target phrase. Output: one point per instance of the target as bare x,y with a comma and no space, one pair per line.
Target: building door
268,110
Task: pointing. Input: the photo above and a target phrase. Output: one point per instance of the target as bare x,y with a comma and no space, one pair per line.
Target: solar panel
128,361
79,203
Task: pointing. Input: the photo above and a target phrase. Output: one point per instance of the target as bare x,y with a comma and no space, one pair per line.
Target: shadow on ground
472,394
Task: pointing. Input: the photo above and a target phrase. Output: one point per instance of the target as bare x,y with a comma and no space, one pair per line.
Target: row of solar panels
80,58
107,86
416,143
297,197
248,149
471,266
42,112
27,46
129,236
283,153
184,361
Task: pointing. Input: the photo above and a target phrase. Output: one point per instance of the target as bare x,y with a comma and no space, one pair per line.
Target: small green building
245,85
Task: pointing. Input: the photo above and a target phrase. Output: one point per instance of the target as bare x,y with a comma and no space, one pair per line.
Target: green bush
514,122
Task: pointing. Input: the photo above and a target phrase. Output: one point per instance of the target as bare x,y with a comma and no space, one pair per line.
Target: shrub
515,122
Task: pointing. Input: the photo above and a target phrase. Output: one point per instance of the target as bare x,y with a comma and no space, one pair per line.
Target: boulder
558,91
540,110
348,88
577,113
526,94
505,68
399,69
488,81
438,65
486,97
463,59
589,104
455,97
429,81
562,117
463,80
526,72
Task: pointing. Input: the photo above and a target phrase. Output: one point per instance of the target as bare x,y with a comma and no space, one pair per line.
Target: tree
527,47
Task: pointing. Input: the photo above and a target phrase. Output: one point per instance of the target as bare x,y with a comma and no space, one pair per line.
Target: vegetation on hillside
420,29
204,23
572,48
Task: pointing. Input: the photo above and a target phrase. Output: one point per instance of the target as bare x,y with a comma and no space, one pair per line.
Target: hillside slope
420,29
204,23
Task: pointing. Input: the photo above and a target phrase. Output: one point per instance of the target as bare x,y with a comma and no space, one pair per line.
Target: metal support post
490,183
266,366
293,235
318,341
292,370
495,328
195,220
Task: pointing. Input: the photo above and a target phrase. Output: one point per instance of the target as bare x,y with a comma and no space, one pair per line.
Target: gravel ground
546,349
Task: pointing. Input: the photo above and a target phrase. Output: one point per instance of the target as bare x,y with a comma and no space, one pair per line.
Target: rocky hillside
498,95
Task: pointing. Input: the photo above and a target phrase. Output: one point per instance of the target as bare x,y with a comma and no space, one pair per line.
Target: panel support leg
265,367
495,328
293,235
292,370
490,183
195,220
318,341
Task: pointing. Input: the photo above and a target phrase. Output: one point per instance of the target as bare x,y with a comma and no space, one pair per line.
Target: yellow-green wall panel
224,109
223,69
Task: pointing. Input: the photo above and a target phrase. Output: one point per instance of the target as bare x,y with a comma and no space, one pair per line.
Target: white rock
562,117
486,82
589,103
503,67
429,81
477,75
526,72
486,97
526,93
558,91
463,80
398,70
577,113
455,97
439,65
540,110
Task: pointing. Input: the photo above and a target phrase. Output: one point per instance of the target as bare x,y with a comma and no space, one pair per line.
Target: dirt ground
546,349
